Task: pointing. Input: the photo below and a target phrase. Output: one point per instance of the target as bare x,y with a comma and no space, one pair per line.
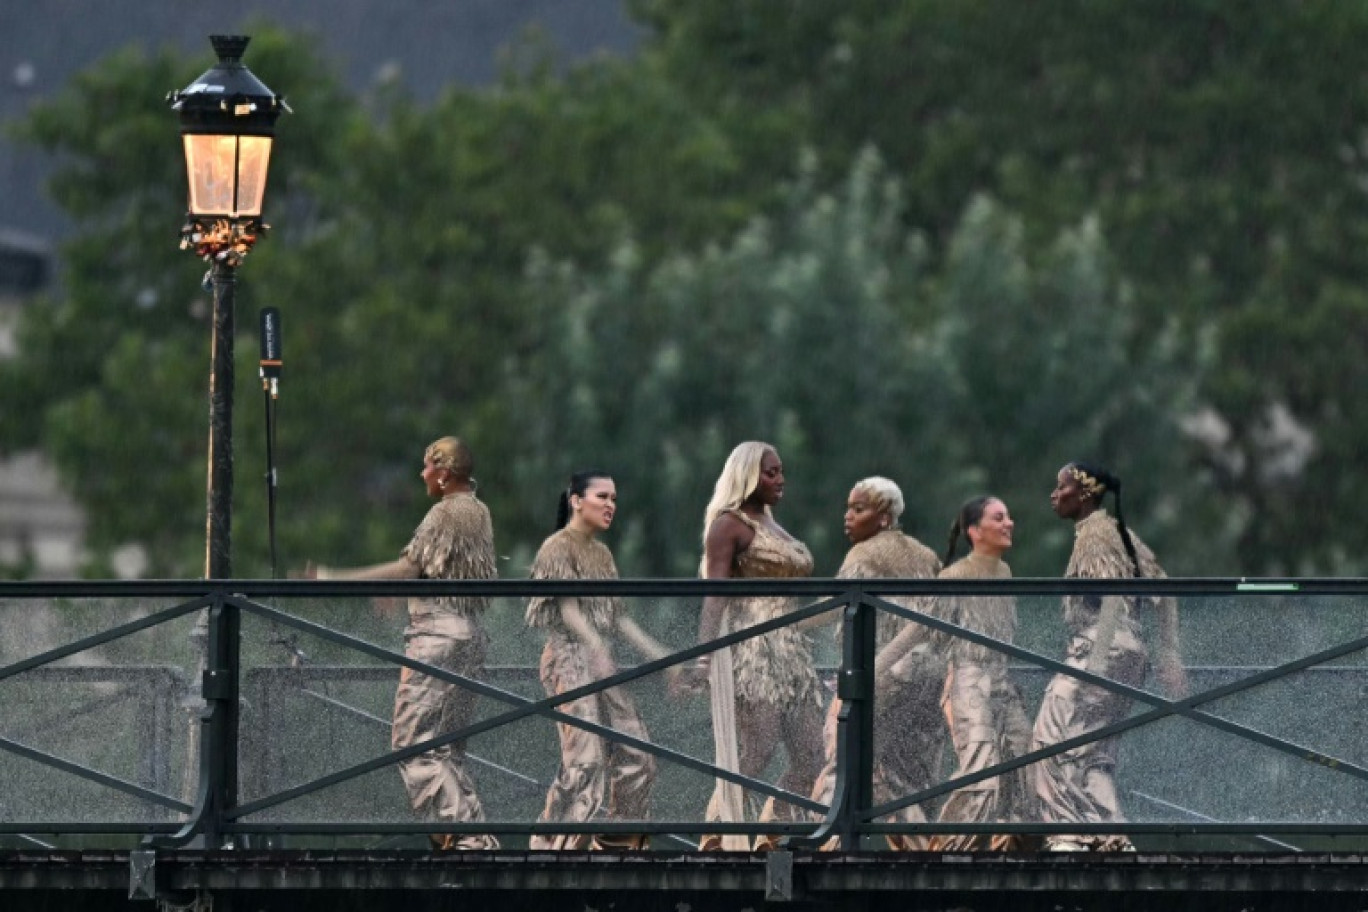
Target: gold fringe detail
568,555
455,540
776,667
890,555
1099,553
991,615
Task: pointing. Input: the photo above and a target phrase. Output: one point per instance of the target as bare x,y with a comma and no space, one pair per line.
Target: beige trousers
438,786
597,777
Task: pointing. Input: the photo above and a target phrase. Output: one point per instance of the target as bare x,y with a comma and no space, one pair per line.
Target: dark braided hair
579,483
970,512
1097,481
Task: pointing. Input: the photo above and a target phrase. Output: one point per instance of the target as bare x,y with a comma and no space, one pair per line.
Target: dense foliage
957,244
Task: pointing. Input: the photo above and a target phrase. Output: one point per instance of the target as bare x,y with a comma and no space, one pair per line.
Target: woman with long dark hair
1078,785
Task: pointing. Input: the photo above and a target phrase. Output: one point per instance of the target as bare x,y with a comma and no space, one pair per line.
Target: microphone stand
270,389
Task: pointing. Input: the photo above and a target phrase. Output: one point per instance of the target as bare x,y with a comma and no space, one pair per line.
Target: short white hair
884,495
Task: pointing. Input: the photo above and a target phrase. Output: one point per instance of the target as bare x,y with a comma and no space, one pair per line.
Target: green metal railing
215,814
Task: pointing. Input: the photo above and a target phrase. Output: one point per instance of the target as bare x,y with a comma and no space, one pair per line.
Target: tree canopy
955,244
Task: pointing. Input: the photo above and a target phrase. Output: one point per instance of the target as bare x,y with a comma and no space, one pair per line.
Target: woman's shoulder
890,554
570,555
1100,553
976,566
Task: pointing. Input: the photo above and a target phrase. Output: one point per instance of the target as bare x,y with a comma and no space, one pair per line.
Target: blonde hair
738,481
451,453
884,496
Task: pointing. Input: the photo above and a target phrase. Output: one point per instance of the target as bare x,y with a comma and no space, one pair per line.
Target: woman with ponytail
982,706
1104,638
596,777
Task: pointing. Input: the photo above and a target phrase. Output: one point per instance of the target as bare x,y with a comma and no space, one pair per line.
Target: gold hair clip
1089,484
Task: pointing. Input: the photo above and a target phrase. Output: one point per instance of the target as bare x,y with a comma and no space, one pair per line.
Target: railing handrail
218,811
662,586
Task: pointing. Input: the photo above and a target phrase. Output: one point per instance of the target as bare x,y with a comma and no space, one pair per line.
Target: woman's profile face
769,489
432,476
1068,499
862,520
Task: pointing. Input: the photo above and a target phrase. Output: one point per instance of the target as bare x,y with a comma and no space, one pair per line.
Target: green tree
823,331
1220,146
402,235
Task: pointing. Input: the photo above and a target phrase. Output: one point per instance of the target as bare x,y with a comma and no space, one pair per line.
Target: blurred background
955,244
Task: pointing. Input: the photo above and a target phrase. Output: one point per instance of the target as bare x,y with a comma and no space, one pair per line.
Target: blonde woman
454,541
765,691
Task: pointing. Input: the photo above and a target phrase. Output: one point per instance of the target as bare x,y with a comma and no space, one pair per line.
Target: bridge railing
110,730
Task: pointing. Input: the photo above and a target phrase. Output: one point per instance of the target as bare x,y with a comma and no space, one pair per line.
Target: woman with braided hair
1078,785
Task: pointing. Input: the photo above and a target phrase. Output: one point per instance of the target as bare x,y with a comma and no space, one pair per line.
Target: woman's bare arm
403,568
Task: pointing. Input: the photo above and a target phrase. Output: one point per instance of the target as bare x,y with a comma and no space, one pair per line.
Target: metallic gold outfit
777,692
988,724
454,541
596,777
1078,785
909,737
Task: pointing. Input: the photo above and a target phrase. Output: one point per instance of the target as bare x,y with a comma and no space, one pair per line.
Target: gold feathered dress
1079,785
596,778
454,541
774,680
984,709
909,736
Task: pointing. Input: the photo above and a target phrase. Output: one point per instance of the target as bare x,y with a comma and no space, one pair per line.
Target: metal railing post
219,742
853,792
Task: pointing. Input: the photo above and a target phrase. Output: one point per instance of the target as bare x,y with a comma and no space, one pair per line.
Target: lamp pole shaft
219,531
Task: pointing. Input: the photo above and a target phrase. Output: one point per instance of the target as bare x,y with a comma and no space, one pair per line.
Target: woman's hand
691,679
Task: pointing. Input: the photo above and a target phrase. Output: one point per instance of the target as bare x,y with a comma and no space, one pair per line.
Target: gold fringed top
991,615
454,541
776,667
890,555
1099,553
571,555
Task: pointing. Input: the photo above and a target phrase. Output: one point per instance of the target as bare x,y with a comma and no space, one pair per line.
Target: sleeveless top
455,540
991,615
776,667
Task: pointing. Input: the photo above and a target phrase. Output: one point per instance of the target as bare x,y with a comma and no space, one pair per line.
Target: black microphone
270,348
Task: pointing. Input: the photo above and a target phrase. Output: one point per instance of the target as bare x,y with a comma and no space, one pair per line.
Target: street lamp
227,121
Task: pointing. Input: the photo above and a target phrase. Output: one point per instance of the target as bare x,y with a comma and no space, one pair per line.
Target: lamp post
227,122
